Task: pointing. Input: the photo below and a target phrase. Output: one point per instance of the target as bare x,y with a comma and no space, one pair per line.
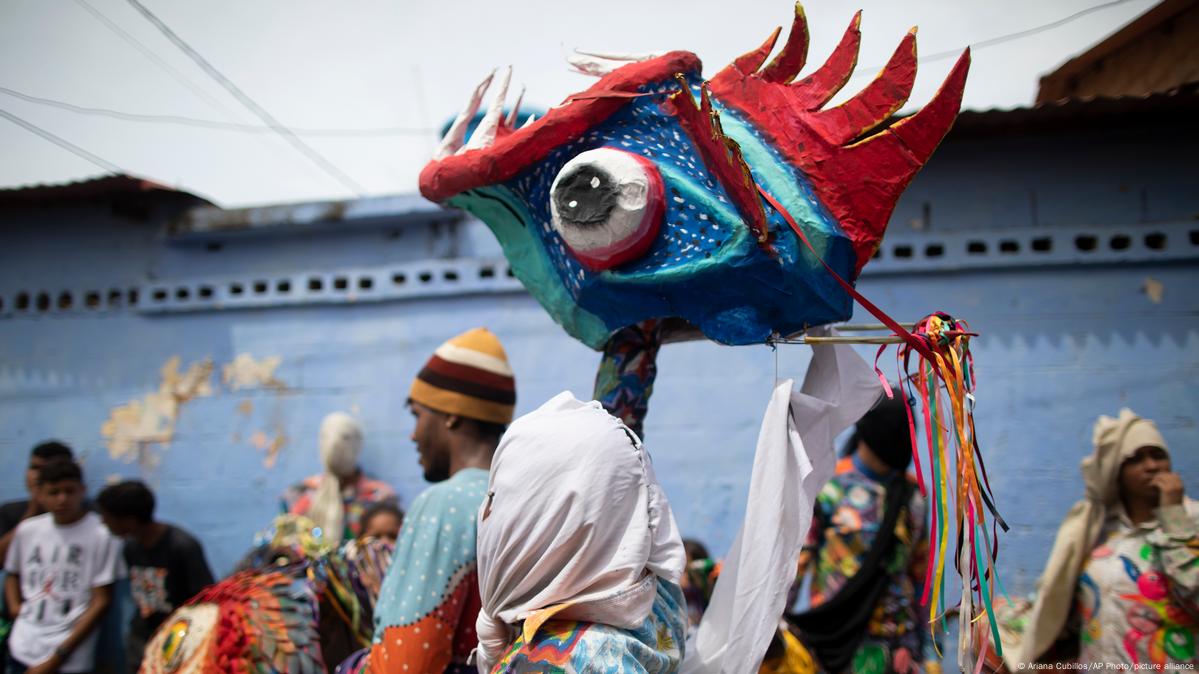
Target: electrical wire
62,142
155,58
315,157
211,123
1000,39
402,131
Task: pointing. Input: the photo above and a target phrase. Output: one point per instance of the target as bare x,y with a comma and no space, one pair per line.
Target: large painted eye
607,206
182,642
172,645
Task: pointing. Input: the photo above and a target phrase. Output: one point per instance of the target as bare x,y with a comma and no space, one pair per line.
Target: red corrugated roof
104,186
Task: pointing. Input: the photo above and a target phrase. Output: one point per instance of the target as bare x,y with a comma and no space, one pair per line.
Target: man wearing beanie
869,528
462,400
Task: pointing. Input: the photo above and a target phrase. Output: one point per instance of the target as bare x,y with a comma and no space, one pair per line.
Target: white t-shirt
58,567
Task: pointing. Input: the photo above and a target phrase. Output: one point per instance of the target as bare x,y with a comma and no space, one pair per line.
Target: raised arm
625,379
1176,543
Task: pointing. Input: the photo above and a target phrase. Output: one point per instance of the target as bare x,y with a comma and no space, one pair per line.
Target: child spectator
383,521
61,566
15,512
166,564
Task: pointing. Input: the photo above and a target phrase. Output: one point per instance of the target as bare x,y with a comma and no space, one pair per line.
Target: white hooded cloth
794,459
573,514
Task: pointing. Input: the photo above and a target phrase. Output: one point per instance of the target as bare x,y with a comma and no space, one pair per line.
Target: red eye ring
619,221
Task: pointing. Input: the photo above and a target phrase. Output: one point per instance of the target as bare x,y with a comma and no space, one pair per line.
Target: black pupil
586,196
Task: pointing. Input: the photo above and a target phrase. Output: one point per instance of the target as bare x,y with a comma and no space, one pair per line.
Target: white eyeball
607,206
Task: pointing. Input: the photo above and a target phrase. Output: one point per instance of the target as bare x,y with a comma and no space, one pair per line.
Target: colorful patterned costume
848,513
357,498
251,622
548,646
1137,594
426,612
272,619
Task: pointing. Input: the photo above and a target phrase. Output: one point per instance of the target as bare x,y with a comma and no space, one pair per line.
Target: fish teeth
456,136
515,113
484,134
528,122
620,56
598,64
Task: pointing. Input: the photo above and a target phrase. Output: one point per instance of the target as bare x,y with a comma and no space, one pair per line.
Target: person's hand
48,667
1169,488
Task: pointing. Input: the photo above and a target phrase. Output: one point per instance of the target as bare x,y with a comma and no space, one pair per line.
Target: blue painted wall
1061,343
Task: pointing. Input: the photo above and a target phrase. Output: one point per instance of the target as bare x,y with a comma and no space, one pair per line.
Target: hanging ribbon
939,348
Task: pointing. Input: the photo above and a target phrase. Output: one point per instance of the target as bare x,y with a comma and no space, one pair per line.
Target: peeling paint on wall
131,429
1154,289
269,445
245,373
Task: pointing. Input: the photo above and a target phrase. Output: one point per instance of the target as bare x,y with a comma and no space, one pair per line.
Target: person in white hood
588,563
579,556
336,498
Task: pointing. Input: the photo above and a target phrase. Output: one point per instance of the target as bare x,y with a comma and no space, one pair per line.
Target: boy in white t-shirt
61,566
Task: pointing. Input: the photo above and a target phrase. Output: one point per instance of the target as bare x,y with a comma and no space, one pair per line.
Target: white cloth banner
793,461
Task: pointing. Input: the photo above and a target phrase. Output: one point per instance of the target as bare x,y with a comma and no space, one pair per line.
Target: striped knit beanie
468,376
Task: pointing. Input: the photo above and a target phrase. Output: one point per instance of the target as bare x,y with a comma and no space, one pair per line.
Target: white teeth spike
598,64
456,136
620,56
515,114
484,134
529,122
589,65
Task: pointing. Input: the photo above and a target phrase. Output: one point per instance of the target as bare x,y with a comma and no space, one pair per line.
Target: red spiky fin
890,159
818,88
857,177
787,64
720,154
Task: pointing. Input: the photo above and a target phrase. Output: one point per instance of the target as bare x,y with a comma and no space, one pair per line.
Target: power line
211,123
155,58
1000,39
312,155
63,143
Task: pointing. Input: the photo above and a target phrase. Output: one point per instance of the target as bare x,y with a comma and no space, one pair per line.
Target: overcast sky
389,71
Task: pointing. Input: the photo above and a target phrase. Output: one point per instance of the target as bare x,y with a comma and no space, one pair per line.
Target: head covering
469,376
340,441
1115,441
594,534
885,431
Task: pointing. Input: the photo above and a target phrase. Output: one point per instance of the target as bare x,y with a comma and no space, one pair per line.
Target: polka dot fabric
425,616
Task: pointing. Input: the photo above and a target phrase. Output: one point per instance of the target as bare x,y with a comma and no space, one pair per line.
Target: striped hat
468,376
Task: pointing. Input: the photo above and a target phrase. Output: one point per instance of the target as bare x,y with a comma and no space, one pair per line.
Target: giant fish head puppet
658,194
